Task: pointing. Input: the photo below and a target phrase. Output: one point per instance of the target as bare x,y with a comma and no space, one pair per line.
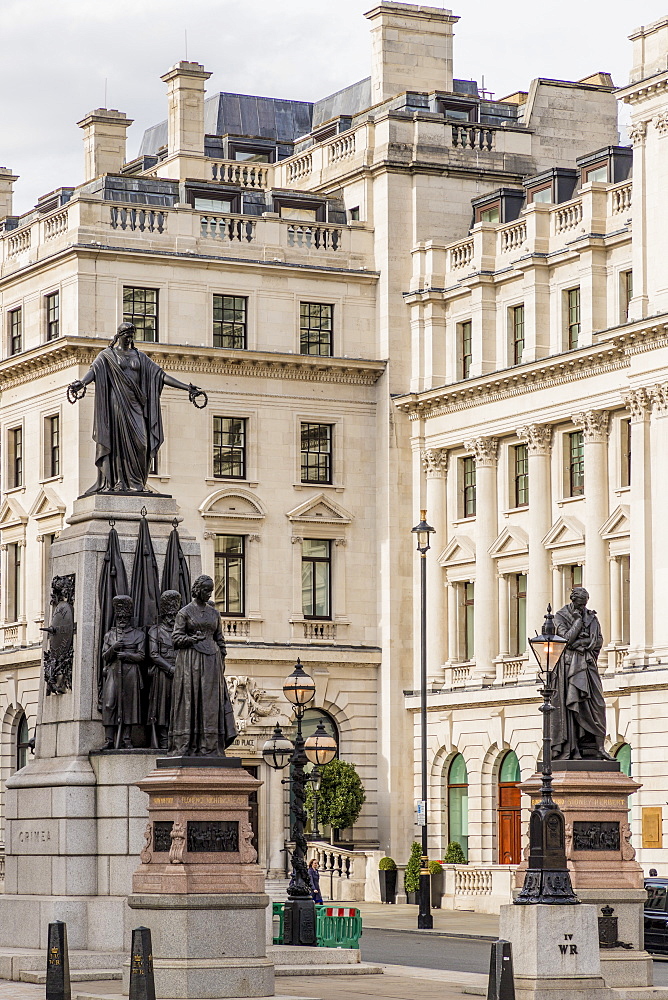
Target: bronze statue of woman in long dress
127,428
202,721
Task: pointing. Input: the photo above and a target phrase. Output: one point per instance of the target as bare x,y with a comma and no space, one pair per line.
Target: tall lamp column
547,879
279,752
423,531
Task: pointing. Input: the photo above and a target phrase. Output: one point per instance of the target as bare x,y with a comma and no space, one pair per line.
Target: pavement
454,923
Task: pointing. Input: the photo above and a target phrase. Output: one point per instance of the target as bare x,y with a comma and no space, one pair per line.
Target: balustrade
255,176
18,242
473,882
473,137
320,630
341,148
314,237
512,669
143,219
11,635
513,236
55,225
232,229
235,628
567,217
299,167
620,198
461,255
460,675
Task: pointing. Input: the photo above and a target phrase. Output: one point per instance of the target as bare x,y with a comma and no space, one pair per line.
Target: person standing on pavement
314,879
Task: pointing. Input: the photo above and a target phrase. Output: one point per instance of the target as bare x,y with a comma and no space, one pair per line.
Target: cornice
612,354
67,352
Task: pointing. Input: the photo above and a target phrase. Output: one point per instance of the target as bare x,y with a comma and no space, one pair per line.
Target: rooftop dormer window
459,112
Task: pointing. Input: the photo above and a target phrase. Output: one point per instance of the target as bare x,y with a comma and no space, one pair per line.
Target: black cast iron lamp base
547,879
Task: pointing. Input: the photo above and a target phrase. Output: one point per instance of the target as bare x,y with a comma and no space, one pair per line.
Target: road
433,951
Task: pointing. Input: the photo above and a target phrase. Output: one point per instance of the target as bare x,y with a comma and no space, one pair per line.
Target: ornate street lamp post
279,752
423,531
547,879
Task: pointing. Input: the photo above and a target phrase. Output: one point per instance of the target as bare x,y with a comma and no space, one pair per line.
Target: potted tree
436,873
454,854
340,796
412,873
387,879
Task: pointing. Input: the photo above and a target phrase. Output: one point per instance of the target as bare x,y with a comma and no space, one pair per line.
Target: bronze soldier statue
123,651
161,656
578,723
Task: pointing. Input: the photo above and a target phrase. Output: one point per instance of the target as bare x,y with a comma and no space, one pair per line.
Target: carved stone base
598,837
198,837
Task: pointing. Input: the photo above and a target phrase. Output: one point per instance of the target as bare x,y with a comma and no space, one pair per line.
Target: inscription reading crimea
213,836
595,836
162,840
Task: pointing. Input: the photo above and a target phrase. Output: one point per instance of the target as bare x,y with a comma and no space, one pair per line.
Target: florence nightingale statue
202,720
127,428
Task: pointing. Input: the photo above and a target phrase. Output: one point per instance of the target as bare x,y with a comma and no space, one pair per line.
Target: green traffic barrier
335,926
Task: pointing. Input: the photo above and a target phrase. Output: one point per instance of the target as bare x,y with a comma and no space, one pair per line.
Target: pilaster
538,438
485,452
594,427
435,464
641,615
659,491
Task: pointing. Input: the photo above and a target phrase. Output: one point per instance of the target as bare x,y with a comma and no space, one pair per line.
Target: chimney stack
185,100
104,142
411,49
7,179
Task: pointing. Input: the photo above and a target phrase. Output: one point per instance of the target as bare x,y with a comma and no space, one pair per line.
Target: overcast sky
57,54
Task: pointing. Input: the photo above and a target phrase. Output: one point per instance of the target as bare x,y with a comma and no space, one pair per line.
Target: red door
508,824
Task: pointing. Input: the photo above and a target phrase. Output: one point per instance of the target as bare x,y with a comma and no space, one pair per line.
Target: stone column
485,450
641,617
557,587
538,438
594,426
435,462
659,491
615,600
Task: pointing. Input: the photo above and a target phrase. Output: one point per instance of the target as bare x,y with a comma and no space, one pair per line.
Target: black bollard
142,983
501,985
58,986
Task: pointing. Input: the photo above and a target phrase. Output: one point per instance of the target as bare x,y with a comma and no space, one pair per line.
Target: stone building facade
297,261
538,418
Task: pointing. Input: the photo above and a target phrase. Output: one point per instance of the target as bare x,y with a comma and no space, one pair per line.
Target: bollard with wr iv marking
58,985
501,985
142,984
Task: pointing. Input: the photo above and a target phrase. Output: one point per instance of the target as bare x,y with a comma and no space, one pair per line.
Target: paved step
284,954
76,975
361,969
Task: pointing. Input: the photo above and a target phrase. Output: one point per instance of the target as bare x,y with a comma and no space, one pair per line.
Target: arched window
22,741
312,716
509,826
623,755
458,803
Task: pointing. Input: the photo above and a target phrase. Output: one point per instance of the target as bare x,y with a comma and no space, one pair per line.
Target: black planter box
387,878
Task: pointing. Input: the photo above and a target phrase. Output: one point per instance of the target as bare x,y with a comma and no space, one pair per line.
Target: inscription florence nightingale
127,427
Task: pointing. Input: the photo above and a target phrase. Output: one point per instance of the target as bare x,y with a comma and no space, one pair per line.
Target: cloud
57,57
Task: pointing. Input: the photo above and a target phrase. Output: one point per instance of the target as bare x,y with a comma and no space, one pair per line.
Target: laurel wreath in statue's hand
194,392
76,391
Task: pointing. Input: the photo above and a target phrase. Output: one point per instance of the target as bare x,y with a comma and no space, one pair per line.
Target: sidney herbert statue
127,428
161,656
123,652
578,723
202,720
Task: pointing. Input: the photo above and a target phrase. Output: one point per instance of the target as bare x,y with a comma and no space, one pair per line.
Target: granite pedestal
74,817
555,952
199,887
594,798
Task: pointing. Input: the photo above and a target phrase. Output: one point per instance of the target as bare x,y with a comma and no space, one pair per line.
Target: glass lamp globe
548,647
320,747
299,687
278,750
